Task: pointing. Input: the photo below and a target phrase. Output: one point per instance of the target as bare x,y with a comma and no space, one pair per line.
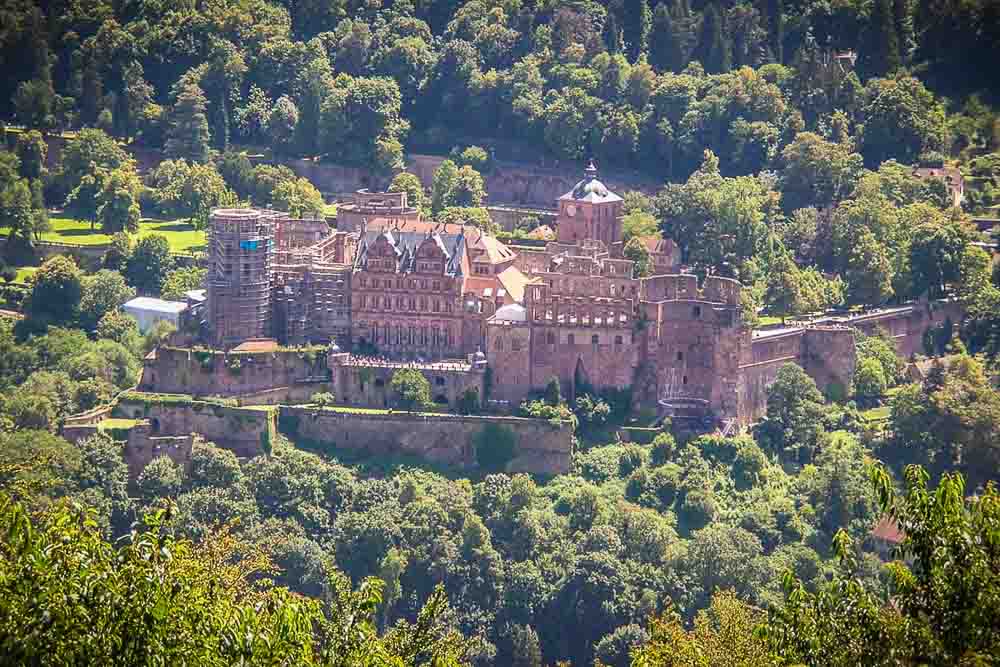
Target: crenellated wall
540,448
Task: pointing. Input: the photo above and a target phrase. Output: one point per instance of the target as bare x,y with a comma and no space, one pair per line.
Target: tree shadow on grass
79,231
171,227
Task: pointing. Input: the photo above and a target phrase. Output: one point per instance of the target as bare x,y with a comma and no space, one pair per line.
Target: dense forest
856,528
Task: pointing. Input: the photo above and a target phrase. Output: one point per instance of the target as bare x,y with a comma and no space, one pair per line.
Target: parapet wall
541,447
685,288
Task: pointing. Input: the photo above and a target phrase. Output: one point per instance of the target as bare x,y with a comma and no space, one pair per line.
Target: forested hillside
630,82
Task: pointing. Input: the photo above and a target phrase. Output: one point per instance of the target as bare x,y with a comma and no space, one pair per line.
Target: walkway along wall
540,447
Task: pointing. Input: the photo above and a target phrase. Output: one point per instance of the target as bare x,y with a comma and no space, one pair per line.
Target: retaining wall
246,431
541,447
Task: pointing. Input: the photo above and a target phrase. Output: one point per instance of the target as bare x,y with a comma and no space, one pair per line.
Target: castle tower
589,211
240,247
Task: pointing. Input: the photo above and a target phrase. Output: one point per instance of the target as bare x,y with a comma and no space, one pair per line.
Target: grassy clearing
181,236
768,320
878,414
25,272
118,423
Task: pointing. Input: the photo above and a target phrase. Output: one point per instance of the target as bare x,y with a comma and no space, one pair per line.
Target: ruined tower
240,247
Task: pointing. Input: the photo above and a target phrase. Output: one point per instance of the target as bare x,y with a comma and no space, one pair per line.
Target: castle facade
388,287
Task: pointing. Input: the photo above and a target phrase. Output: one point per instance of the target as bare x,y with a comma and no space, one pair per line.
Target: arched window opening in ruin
441,399
439,381
571,339
680,356
684,380
595,339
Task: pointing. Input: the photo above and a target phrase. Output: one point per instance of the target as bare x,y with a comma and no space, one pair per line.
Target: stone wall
906,325
829,357
541,448
826,353
293,395
204,372
759,368
143,446
370,385
246,431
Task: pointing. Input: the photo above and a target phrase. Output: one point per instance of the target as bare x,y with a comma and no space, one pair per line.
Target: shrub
698,509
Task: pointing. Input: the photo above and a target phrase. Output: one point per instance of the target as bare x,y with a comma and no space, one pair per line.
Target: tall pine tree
666,52
881,54
776,28
613,35
637,25
187,135
713,48
903,13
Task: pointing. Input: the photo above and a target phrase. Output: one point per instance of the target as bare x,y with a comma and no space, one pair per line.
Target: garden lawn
183,238
878,414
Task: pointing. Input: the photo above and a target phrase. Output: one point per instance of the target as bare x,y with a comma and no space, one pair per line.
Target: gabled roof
496,251
406,243
514,282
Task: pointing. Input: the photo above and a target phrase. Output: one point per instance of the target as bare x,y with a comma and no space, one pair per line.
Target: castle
386,289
